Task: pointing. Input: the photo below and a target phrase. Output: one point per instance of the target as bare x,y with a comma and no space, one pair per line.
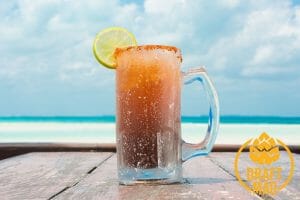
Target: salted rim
119,51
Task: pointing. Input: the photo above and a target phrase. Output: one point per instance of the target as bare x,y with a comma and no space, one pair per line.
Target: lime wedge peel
107,41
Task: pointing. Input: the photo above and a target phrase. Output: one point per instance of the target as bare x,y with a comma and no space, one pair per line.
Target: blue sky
251,50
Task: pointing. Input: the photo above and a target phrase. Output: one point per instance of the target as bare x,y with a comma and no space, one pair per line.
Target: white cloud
263,54
163,7
266,43
48,42
55,36
230,3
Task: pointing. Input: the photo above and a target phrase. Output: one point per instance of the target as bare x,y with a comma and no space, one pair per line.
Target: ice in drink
148,106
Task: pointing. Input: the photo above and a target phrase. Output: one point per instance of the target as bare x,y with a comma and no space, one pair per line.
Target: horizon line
98,116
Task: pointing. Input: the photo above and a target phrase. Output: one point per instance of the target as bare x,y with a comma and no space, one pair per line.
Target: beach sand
56,132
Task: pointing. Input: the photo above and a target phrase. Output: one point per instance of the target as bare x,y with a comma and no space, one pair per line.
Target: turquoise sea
185,119
233,129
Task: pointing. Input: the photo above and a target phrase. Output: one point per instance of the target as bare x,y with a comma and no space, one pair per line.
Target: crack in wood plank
58,193
210,182
265,197
83,177
91,170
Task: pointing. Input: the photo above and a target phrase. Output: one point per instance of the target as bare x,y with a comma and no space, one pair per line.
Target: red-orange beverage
148,107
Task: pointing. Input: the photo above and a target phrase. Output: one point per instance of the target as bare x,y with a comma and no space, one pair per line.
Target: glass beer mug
148,119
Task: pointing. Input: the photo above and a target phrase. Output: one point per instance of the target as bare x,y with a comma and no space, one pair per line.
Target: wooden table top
93,175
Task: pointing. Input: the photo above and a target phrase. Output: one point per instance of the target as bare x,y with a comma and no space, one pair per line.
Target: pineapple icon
264,150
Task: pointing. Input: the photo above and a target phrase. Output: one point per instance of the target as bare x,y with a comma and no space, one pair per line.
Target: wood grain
13,149
42,175
292,191
204,180
84,175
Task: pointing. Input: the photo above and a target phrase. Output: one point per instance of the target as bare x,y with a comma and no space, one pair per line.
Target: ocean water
233,129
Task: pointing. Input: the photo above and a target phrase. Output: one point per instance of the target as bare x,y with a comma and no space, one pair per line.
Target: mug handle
204,147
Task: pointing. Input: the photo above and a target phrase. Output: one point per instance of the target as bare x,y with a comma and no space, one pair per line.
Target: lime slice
107,41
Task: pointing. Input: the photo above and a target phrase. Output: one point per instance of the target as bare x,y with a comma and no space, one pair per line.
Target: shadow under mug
148,118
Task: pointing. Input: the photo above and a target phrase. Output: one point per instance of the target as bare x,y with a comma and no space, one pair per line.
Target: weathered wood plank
204,180
292,191
12,149
42,175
